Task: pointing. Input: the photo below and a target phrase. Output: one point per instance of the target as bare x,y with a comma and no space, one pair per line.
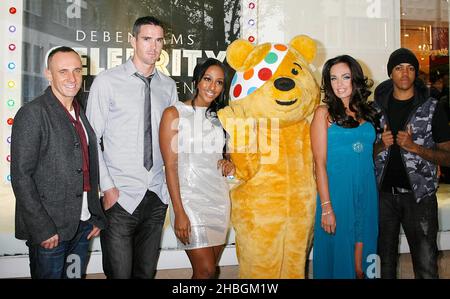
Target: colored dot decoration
251,90
249,74
250,15
237,90
271,58
280,47
264,74
12,66
233,81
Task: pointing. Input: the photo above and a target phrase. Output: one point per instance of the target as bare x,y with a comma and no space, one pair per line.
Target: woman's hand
227,167
328,221
182,227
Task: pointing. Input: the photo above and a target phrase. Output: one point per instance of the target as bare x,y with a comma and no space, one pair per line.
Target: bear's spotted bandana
244,83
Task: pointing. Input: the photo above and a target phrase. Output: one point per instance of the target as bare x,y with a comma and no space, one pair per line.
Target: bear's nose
284,84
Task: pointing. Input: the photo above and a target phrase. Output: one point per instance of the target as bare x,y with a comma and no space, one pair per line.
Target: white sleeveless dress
204,191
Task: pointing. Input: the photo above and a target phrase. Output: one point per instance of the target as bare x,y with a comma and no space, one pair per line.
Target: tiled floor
231,272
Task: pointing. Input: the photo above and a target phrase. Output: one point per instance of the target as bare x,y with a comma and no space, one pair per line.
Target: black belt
397,190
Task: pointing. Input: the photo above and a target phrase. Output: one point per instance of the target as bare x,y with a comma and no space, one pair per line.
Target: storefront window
424,30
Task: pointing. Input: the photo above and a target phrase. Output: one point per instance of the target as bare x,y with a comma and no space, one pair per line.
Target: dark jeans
131,243
420,224
67,260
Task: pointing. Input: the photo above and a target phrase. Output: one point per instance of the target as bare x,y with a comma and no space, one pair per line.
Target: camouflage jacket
422,173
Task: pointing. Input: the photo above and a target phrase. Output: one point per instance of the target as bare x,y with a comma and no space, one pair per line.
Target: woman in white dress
192,143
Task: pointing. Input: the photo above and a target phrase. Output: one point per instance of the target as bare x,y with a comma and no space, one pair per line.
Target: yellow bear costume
272,94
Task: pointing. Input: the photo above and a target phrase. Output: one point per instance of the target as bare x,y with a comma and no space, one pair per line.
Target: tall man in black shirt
415,138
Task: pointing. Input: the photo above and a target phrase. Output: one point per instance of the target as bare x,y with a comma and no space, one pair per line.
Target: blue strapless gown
354,197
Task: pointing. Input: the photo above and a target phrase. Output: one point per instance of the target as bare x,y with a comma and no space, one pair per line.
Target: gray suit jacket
46,173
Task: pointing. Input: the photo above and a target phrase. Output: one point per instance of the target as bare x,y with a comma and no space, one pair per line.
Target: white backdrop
368,30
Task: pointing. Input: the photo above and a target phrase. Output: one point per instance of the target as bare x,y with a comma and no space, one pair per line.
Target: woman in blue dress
342,137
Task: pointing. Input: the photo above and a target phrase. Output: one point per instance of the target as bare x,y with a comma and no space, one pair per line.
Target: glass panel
367,30
424,30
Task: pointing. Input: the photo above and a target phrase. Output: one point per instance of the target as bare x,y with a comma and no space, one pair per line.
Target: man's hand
94,232
110,197
404,140
51,243
387,137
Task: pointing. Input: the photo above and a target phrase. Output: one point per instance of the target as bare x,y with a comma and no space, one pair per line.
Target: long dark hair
358,100
222,100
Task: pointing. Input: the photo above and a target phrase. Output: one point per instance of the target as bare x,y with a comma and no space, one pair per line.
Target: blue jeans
131,243
67,260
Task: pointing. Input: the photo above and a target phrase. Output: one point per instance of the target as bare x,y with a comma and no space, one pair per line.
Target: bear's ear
238,52
305,46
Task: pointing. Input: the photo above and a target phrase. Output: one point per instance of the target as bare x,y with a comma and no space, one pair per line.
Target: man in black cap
414,139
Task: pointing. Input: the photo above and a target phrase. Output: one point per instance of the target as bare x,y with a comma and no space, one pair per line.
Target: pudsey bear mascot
272,94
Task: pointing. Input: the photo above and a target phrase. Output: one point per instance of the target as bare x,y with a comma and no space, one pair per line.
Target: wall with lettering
100,31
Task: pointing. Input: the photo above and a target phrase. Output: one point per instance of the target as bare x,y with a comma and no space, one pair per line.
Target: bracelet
325,203
326,213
